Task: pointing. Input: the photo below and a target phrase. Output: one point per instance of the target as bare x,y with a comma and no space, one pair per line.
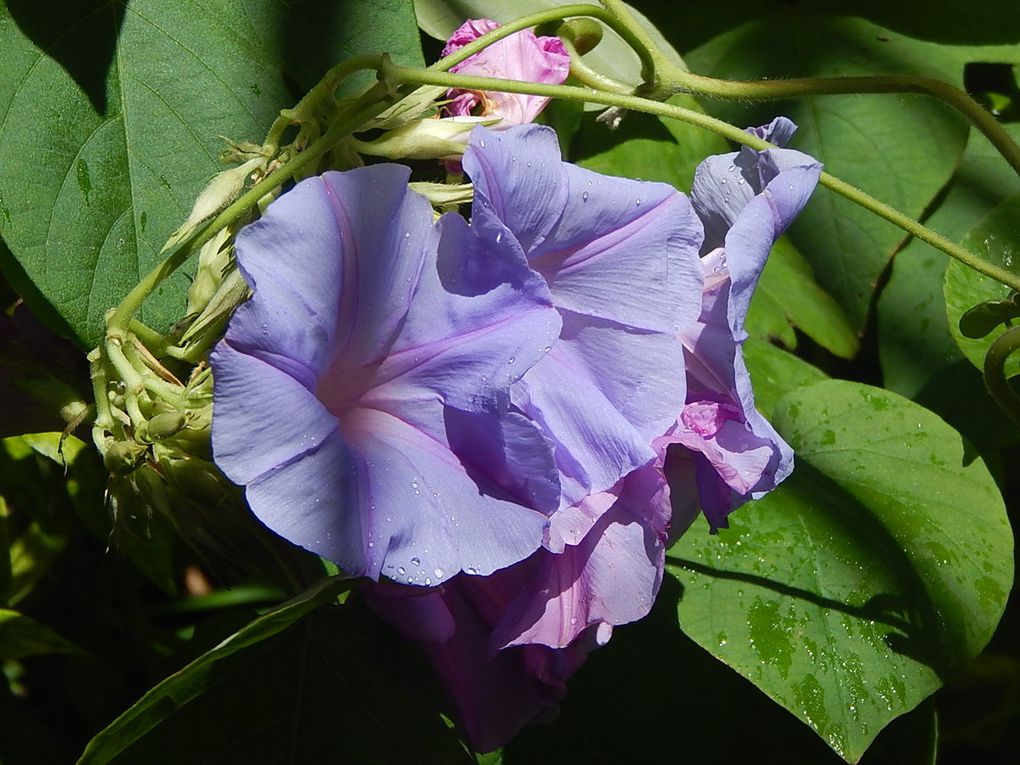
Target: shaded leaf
21,636
306,682
849,593
775,372
914,343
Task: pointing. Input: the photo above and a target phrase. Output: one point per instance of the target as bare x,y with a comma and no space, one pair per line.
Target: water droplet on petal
400,569
584,197
415,561
438,572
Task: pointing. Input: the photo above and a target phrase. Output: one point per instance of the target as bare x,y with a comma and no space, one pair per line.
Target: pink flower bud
521,56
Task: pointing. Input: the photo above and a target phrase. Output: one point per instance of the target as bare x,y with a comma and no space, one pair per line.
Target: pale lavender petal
610,578
244,384
601,397
383,341
519,181
724,184
747,199
506,451
428,519
623,250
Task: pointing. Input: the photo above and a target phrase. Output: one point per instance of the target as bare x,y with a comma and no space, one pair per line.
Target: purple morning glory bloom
746,200
335,381
620,259
521,56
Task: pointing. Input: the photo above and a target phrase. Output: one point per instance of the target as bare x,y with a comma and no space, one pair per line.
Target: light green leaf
21,636
849,593
901,149
112,117
914,343
996,239
788,296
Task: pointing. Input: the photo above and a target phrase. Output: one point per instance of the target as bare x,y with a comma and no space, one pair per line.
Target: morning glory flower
506,643
746,200
521,56
335,382
620,258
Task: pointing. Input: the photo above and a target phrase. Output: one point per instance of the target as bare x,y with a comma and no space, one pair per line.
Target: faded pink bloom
521,56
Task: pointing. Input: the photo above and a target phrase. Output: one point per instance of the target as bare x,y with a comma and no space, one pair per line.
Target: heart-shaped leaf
850,593
112,117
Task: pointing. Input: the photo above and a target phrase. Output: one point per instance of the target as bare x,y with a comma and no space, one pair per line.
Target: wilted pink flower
521,56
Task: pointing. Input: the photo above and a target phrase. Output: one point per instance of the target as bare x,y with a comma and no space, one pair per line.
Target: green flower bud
122,457
426,139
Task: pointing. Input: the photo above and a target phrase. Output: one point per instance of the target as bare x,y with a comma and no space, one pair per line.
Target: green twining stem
995,373
687,82
671,79
369,105
635,103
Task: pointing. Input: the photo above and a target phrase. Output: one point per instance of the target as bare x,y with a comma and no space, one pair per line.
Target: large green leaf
626,705
996,239
307,682
901,149
849,593
112,117
985,31
914,342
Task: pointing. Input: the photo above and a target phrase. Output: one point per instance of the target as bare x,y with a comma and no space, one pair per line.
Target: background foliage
820,627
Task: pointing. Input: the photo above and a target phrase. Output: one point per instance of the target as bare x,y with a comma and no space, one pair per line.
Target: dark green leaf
849,593
111,117
308,682
997,240
900,149
21,636
775,372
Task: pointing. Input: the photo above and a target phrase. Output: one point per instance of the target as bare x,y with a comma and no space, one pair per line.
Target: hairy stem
635,103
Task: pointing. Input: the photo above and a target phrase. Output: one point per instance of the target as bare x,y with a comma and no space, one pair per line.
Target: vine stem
995,372
636,103
671,79
370,104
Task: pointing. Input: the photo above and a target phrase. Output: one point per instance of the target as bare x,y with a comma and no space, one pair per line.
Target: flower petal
495,693
623,250
601,397
518,180
314,260
520,56
244,384
610,578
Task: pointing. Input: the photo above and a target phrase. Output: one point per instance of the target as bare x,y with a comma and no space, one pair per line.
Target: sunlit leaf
850,593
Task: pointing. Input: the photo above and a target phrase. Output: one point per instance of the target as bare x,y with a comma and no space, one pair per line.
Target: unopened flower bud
426,139
220,192
123,457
